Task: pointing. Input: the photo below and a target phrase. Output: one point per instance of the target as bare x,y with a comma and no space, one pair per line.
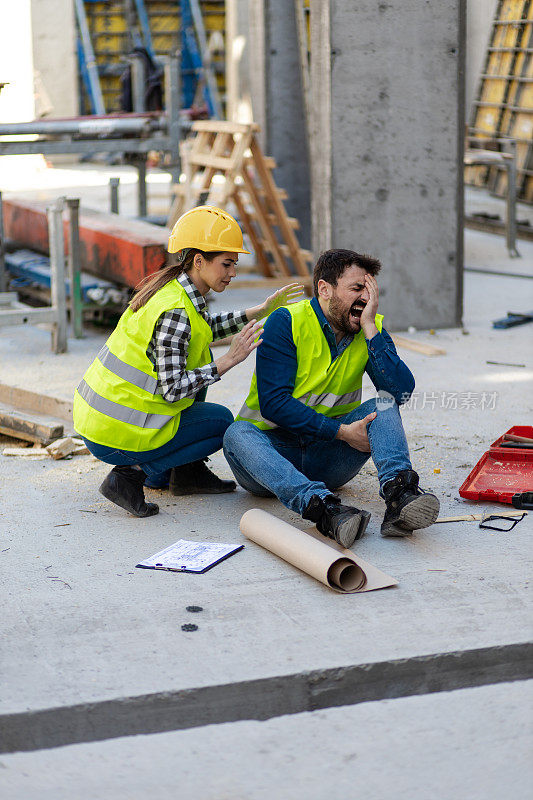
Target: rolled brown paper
332,565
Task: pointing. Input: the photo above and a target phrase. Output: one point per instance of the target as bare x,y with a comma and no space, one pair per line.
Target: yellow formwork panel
111,40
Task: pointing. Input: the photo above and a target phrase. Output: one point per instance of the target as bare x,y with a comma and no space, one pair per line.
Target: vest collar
197,299
336,349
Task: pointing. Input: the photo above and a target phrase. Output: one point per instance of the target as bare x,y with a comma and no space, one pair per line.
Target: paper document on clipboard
185,556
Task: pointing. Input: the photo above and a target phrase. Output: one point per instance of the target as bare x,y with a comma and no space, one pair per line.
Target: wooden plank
474,517
293,222
25,400
224,126
306,254
281,193
26,452
219,146
417,347
62,448
23,426
222,163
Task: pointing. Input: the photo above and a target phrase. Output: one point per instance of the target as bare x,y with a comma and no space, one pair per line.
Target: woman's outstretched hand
242,344
291,293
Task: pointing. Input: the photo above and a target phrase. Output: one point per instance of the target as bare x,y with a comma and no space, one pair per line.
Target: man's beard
343,318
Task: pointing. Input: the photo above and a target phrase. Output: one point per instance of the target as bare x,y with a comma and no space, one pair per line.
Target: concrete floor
93,648
472,743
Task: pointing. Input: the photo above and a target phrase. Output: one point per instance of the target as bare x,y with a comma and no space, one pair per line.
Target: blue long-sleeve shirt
276,366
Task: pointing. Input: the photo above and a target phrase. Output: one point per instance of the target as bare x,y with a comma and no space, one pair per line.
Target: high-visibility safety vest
116,404
331,388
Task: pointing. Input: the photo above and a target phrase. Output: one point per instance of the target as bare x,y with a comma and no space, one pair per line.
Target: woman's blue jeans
294,468
200,433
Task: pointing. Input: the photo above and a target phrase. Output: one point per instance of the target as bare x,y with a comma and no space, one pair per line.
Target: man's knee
238,435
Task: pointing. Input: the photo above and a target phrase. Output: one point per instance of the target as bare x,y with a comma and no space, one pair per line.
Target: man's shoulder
280,319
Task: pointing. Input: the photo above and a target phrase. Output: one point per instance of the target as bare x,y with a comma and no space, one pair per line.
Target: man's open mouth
356,311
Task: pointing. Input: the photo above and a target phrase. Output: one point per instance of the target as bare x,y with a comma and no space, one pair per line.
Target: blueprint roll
321,558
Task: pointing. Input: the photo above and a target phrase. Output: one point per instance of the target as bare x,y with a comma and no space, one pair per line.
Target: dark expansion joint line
264,698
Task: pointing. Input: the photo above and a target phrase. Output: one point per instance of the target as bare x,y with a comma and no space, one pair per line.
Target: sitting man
303,431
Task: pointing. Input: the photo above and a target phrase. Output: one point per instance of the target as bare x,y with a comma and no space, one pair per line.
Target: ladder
231,150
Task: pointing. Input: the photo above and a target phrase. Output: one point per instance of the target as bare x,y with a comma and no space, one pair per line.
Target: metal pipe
511,203
90,60
74,268
172,103
138,82
206,58
113,194
85,126
140,163
57,275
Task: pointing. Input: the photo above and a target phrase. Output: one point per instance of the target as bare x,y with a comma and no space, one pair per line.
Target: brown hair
331,265
151,284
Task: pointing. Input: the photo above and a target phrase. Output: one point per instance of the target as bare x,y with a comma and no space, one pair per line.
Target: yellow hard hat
206,228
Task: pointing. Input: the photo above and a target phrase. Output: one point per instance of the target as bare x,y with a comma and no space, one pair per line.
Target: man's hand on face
370,310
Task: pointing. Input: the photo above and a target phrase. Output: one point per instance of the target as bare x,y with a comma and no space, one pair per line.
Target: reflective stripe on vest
332,400
248,413
131,374
327,399
120,412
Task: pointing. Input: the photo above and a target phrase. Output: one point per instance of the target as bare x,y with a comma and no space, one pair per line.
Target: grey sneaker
408,507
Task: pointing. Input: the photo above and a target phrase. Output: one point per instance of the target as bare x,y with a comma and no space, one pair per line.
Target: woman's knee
222,418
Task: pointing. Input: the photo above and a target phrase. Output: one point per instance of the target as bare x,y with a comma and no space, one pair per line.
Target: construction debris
418,347
25,451
61,448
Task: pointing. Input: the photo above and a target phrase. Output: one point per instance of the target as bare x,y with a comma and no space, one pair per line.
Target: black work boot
345,524
124,486
196,478
408,507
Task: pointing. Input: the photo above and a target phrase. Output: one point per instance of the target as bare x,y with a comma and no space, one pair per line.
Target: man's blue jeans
202,427
277,462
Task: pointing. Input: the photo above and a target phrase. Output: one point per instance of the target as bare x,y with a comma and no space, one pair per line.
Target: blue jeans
294,468
200,433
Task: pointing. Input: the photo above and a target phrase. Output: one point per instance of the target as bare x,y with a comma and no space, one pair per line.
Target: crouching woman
139,405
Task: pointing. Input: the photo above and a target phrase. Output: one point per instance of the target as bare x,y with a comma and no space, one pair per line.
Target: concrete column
286,134
387,84
245,63
264,84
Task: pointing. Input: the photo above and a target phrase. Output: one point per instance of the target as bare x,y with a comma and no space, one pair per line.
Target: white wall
16,63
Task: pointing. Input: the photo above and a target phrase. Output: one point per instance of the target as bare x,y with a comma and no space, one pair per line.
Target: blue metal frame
192,68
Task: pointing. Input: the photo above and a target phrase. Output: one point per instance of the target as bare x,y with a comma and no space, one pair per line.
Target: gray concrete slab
472,743
82,626
113,631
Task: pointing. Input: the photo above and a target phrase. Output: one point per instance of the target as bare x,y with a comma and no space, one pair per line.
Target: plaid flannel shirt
169,346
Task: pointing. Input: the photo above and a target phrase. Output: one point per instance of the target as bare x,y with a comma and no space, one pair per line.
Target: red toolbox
504,474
